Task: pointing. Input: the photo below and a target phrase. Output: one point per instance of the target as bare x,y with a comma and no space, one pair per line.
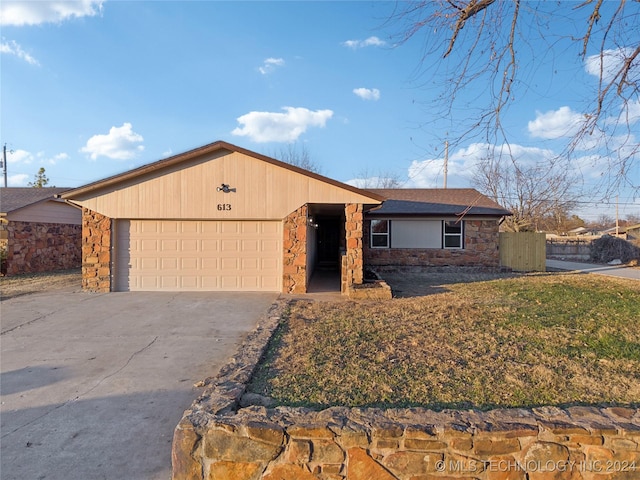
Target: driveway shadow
406,284
28,378
115,436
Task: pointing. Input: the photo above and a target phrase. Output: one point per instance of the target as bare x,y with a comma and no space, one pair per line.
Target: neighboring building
224,218
633,232
41,233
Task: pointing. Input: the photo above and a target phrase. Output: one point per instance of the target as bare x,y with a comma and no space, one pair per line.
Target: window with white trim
453,232
417,233
380,233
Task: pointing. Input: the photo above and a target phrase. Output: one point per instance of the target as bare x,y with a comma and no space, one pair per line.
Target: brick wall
294,244
42,247
481,249
218,439
96,252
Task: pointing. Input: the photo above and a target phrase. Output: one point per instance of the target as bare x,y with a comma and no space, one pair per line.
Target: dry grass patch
519,342
39,282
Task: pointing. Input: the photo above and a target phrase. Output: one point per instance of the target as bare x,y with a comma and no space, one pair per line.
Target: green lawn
553,339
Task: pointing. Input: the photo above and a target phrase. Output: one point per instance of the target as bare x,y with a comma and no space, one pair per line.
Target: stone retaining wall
216,438
480,249
42,247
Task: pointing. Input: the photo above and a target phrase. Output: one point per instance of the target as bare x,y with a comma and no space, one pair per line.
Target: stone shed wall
42,247
481,242
217,438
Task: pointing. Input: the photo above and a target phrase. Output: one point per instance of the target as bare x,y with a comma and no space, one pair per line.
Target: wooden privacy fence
523,251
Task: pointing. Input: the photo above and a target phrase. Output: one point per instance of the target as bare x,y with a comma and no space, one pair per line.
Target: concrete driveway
92,385
620,271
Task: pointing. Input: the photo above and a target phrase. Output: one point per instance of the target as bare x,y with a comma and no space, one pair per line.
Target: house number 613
224,206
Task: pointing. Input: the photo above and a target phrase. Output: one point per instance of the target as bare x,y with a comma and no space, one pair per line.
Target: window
380,233
417,233
453,234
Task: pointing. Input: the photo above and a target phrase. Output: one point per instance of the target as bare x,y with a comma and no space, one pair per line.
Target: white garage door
176,255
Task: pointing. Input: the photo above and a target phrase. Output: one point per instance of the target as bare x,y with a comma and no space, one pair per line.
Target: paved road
92,385
610,270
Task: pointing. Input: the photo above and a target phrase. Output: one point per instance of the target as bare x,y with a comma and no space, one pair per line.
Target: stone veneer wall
294,244
42,247
96,252
352,260
481,241
216,439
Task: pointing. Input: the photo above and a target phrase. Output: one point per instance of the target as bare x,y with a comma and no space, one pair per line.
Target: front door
329,230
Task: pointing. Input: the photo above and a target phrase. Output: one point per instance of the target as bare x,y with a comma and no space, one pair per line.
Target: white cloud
20,13
57,158
12,48
121,143
270,64
553,124
429,173
19,156
609,63
369,42
26,158
367,93
280,127
18,180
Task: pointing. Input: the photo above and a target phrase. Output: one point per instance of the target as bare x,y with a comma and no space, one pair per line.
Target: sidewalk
619,271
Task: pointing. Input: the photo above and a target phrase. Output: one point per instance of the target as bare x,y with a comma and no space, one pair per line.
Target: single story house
221,217
39,231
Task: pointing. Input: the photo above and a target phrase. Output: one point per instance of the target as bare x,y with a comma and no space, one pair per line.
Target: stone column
96,252
352,262
294,244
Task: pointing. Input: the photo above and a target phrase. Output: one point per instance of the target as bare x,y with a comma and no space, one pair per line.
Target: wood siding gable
191,189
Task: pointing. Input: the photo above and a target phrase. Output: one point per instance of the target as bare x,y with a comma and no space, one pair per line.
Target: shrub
608,248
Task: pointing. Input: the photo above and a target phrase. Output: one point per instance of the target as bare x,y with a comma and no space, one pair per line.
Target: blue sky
93,88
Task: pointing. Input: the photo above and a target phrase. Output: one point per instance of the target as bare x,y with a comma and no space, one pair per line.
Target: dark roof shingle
436,202
13,198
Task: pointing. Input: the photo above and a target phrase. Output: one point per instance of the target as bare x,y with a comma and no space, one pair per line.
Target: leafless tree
380,179
297,155
532,191
471,47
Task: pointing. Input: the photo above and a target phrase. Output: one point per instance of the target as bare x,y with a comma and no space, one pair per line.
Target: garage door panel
210,245
229,227
188,227
189,263
229,282
250,246
190,245
230,246
210,264
167,227
250,264
198,255
229,264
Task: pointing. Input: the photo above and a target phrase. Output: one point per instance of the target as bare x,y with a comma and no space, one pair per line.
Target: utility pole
446,161
617,218
4,163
